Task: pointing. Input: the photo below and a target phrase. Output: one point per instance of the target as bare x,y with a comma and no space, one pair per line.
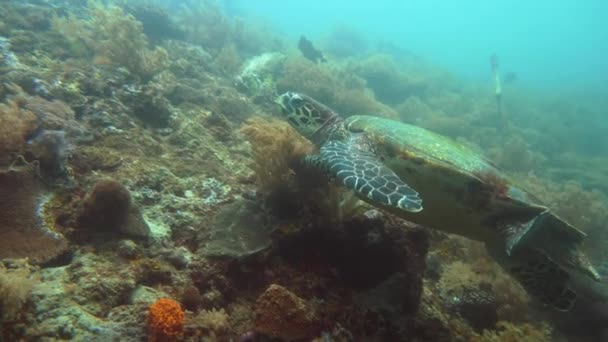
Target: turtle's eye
296,102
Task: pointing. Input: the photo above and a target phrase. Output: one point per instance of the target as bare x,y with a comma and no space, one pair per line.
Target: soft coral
165,320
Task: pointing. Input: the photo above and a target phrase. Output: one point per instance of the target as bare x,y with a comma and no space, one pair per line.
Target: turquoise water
153,150
557,45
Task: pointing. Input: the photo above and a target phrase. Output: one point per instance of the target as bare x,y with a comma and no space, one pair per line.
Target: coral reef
125,180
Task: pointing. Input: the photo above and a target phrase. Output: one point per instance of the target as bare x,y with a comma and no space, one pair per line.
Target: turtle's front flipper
364,173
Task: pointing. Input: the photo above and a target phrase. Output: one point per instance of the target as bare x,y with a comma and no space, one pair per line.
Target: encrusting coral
26,228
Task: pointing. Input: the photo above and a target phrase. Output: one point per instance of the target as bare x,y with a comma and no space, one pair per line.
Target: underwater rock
55,315
7,58
390,299
98,286
108,209
239,229
179,257
51,150
365,252
214,192
154,271
146,295
148,104
26,224
279,313
434,267
128,249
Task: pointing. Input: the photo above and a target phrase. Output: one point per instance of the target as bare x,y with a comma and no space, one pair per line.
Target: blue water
551,45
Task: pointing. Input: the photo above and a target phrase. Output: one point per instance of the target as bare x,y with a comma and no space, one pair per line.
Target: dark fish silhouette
309,51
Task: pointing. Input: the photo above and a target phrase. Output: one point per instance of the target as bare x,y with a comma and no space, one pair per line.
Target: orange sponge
165,320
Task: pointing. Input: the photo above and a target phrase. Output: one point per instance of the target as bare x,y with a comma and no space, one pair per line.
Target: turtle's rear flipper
544,279
364,173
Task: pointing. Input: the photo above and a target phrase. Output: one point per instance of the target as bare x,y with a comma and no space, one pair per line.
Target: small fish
309,51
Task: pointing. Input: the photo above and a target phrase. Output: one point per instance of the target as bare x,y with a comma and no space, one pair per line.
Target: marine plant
515,155
16,125
340,89
113,37
276,146
15,285
509,332
277,149
390,84
205,24
228,59
165,320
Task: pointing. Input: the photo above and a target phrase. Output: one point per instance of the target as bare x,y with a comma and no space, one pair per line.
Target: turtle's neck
332,128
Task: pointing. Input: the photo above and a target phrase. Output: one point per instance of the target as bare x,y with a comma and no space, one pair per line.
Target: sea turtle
431,180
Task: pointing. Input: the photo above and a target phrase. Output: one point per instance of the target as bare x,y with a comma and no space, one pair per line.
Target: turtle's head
312,119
